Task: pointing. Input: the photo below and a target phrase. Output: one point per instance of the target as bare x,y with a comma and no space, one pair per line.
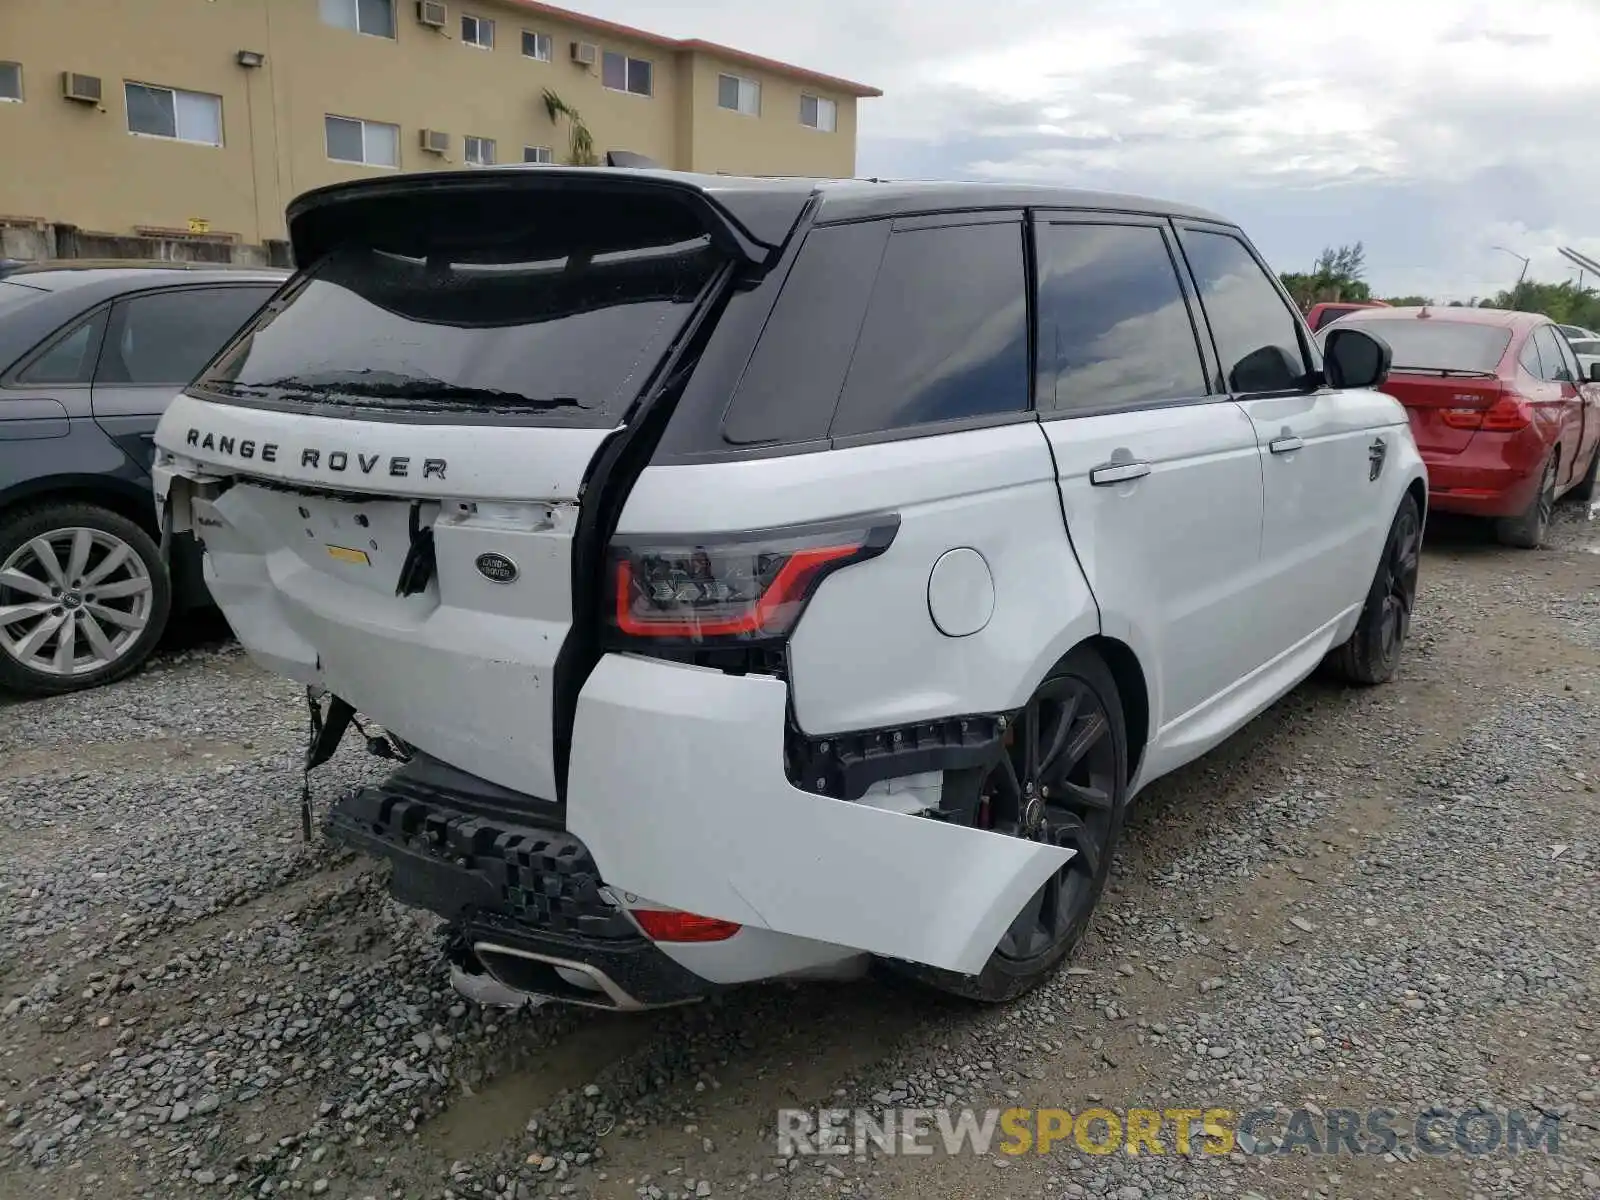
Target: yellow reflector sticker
345,554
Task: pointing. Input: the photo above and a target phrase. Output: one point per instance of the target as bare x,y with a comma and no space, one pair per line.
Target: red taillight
1496,411
1507,415
747,587
1462,418
662,926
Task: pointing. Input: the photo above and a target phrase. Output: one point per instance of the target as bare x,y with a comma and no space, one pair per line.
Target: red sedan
1505,421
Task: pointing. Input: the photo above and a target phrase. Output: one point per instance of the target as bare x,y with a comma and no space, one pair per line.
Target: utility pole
1522,278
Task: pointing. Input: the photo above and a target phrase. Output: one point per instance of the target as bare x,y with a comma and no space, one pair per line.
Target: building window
536,45
356,141
477,31
480,151
375,18
10,81
817,113
739,95
620,73
168,113
537,154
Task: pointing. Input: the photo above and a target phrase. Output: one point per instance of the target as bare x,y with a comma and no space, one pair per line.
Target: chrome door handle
1285,445
1118,472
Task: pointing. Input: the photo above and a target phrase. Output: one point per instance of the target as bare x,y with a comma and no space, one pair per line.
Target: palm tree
580,145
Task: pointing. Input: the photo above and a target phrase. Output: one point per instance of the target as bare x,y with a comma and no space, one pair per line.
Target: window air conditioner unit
432,13
585,54
435,141
83,88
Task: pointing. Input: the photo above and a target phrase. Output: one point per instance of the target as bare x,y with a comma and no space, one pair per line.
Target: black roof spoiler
747,218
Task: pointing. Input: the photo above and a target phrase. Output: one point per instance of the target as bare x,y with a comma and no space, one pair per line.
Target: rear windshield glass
482,332
1586,346
1329,315
1438,345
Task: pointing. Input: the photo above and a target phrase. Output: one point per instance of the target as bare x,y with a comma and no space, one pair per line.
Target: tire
1589,485
114,629
1526,531
1371,655
1091,801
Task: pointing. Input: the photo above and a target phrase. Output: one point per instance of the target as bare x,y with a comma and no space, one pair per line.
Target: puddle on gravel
498,1110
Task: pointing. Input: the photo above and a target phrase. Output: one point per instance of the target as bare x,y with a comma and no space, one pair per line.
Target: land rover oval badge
497,568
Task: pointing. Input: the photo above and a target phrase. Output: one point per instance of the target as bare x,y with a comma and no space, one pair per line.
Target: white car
764,577
1587,351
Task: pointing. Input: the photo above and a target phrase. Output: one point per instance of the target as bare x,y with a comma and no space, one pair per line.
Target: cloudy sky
1431,130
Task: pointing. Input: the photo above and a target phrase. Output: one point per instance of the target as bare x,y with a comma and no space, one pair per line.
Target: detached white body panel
698,814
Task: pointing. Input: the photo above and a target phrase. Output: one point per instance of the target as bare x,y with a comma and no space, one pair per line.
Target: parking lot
1381,898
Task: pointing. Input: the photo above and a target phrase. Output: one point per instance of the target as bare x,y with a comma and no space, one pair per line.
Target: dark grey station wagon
90,354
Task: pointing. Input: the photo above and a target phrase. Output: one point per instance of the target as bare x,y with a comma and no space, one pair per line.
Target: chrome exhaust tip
541,978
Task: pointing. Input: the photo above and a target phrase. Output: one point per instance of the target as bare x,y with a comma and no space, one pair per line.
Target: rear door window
1559,365
165,338
1114,327
1528,359
945,335
69,359
526,326
791,388
1257,333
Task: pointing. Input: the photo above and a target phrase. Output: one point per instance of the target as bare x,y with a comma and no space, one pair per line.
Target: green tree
1339,274
1564,302
1408,301
580,144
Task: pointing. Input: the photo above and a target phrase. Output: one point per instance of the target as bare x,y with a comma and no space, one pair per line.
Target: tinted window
566,339
1553,352
1437,344
167,337
1113,325
791,387
1329,315
70,359
1254,327
946,332
1529,358
1585,346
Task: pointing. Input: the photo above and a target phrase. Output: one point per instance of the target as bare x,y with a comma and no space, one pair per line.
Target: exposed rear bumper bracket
522,894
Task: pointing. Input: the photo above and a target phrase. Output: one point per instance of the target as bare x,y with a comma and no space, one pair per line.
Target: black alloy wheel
1527,531
1060,776
1372,653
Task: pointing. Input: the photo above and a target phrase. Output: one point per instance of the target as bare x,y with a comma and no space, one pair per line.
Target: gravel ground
1382,898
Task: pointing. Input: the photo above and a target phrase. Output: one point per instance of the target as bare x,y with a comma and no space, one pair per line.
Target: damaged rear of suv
697,544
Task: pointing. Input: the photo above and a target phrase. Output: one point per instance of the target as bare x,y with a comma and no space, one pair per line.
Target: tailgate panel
462,670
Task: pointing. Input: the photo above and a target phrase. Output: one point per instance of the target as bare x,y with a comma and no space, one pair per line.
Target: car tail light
1506,412
665,926
749,587
1507,415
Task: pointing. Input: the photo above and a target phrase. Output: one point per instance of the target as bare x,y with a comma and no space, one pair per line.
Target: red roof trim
699,46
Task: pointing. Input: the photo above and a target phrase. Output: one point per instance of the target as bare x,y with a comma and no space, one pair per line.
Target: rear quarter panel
866,653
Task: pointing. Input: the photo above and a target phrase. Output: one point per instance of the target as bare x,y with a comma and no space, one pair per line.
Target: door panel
1319,540
1562,369
1313,447
1172,556
1160,482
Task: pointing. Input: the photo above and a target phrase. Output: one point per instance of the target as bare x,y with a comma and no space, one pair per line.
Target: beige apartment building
202,119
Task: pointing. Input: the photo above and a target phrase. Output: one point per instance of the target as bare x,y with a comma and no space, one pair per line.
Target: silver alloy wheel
73,601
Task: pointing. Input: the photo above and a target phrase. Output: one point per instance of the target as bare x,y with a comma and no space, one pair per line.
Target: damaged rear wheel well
1125,669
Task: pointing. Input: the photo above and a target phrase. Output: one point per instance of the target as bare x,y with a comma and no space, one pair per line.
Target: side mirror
1594,371
1354,358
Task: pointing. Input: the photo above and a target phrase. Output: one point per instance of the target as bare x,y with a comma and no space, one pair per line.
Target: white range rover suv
759,578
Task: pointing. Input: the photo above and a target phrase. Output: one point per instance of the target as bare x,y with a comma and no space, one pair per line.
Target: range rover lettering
821,567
